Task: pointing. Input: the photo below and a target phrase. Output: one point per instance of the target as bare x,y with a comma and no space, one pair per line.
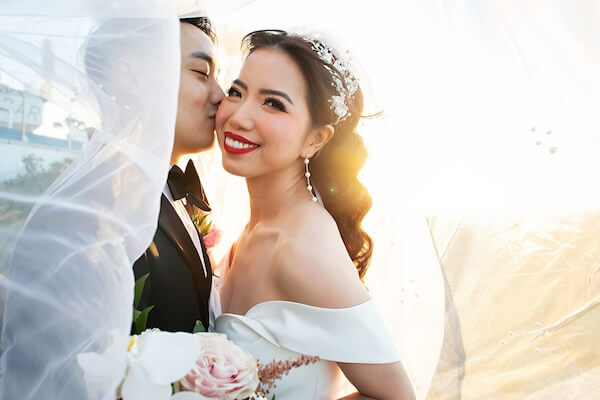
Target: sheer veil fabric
481,170
67,282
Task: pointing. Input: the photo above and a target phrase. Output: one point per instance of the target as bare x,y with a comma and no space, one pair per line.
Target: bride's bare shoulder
313,266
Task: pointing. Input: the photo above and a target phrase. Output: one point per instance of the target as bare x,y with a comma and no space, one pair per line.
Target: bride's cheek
220,119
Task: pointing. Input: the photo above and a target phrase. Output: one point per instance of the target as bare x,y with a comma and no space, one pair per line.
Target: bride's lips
236,144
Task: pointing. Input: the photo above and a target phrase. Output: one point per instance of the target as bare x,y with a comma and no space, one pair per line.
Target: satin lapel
206,261
172,226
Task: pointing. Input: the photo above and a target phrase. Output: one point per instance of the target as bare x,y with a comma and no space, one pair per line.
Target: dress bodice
289,331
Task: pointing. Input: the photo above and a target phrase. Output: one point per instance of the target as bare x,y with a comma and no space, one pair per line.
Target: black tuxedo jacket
176,284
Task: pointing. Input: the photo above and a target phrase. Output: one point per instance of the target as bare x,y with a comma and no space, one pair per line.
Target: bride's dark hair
335,167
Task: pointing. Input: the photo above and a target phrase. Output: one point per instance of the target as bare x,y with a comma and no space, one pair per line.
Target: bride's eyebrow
240,84
277,93
265,91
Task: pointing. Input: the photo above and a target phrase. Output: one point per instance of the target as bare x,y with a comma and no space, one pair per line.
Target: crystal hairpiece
346,88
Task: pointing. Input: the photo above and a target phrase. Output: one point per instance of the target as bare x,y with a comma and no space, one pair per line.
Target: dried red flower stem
274,370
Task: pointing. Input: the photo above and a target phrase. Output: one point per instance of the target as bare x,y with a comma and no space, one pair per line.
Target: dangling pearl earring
307,175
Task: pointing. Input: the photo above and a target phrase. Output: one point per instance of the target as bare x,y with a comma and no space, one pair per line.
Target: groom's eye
233,92
204,74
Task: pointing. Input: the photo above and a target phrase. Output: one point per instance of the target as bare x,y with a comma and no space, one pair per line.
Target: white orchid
143,369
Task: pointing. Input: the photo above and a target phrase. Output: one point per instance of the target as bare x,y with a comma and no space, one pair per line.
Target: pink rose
212,237
223,371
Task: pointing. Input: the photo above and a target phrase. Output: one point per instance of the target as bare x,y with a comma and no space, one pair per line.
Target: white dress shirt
181,211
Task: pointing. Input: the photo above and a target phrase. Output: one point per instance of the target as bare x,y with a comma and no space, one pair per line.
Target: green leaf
140,322
199,221
202,219
199,327
206,228
139,287
136,314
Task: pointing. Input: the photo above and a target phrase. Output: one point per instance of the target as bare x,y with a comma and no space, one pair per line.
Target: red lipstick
236,144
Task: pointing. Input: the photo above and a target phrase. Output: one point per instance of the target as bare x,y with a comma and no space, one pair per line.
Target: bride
290,288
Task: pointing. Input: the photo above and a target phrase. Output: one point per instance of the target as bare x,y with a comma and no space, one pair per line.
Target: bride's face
263,123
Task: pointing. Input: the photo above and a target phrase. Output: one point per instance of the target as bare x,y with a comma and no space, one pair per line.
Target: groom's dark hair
120,34
202,23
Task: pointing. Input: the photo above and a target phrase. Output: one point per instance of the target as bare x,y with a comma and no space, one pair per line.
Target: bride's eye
274,103
233,92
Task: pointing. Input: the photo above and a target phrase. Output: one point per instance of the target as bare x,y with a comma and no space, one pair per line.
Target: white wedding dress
284,330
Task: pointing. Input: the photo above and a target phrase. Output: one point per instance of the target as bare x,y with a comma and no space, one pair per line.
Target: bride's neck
272,194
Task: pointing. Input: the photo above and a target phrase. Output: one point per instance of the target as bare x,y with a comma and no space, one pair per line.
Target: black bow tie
187,184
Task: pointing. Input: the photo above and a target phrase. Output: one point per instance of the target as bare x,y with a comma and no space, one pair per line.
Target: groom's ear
317,138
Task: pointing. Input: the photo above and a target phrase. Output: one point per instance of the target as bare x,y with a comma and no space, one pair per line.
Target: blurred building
20,115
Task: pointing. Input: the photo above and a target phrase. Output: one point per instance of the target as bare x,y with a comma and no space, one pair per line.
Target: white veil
485,224
66,270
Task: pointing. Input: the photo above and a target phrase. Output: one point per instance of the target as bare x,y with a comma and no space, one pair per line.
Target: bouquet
158,365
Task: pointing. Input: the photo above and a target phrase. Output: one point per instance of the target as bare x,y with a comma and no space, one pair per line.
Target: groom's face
199,93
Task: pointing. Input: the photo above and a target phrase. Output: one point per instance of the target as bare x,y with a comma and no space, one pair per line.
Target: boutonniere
210,234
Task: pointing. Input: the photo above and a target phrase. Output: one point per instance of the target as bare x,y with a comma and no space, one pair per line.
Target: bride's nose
242,117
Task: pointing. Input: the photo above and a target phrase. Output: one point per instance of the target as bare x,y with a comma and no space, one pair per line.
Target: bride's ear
317,138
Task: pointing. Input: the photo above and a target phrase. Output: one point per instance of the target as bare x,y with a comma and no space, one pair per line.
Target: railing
32,138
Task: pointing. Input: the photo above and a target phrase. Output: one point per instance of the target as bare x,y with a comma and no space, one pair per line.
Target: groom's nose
216,94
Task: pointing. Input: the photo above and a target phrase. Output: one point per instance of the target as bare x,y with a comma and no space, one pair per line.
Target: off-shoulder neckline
296,304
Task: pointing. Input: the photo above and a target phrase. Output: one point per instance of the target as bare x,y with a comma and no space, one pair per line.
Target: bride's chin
234,170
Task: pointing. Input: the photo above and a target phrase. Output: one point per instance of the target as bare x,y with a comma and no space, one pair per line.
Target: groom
178,268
